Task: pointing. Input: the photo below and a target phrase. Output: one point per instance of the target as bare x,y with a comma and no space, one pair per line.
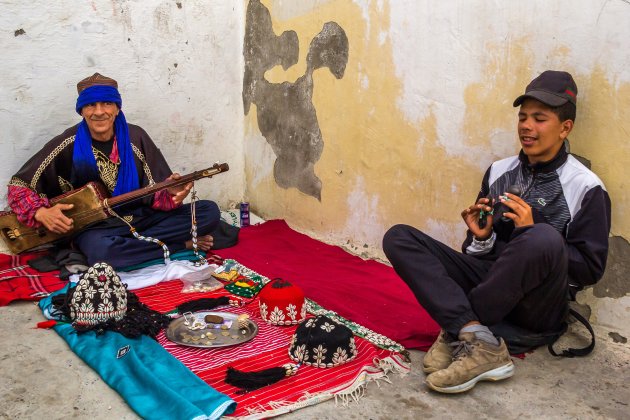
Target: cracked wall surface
286,114
615,283
425,105
379,112
178,65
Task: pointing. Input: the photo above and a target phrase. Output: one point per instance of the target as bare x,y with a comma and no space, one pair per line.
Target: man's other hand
204,243
471,218
53,218
180,192
521,212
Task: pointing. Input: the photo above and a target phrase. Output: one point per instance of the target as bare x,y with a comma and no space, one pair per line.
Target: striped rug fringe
345,395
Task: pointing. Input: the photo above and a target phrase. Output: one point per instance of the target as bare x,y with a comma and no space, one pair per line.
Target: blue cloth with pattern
154,383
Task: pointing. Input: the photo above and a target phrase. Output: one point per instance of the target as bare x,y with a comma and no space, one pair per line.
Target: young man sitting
523,254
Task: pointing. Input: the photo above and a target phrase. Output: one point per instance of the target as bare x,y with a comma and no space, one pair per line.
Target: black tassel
250,381
138,320
203,304
61,303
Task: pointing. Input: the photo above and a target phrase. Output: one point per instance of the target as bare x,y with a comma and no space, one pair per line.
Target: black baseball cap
553,88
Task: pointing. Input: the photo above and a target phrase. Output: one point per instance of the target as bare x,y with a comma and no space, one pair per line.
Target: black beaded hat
99,296
318,342
322,342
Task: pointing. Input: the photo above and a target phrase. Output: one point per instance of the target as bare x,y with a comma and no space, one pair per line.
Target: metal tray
228,335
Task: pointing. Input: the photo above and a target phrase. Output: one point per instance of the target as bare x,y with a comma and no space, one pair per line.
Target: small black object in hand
513,189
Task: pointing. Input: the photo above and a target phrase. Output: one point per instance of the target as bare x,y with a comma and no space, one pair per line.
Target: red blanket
366,292
270,349
18,281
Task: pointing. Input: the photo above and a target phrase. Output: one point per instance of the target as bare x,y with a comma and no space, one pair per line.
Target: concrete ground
41,378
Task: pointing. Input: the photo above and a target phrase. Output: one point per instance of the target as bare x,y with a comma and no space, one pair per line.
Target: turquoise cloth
154,383
187,255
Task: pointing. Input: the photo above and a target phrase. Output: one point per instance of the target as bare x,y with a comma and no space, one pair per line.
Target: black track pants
527,285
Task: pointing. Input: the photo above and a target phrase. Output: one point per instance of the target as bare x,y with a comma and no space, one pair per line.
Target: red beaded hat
282,303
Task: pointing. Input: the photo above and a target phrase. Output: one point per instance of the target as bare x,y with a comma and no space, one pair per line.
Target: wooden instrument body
88,208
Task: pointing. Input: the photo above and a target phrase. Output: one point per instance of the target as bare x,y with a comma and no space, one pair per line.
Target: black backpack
572,352
520,340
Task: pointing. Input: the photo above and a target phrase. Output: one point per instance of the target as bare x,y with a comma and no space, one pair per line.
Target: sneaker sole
496,374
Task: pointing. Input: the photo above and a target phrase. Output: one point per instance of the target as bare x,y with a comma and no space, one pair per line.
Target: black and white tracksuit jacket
562,193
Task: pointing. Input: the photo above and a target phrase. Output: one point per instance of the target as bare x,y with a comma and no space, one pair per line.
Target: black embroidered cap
318,342
101,302
322,342
99,296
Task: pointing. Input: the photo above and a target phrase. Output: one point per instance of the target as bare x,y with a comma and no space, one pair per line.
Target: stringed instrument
91,204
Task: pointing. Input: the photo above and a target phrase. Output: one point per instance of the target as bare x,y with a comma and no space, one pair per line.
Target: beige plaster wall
424,106
421,108
178,65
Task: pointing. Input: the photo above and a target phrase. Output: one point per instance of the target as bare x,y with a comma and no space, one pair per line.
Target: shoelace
461,349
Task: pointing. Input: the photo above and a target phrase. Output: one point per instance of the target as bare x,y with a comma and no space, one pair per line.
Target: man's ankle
482,333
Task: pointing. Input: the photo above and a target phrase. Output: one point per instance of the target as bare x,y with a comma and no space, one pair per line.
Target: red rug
270,349
18,281
366,292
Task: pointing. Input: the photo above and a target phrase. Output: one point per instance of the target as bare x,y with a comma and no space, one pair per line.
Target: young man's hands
471,218
521,212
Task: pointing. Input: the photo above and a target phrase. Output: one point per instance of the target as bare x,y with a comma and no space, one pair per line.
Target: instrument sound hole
11,234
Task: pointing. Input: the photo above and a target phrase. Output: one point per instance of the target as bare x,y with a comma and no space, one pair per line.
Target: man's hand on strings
471,218
180,192
53,218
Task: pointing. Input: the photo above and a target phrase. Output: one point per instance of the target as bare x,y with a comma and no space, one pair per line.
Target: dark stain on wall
19,32
615,282
286,114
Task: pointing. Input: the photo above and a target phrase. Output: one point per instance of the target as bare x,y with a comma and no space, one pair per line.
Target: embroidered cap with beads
322,342
98,297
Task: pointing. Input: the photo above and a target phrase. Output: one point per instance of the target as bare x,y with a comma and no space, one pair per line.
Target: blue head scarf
83,161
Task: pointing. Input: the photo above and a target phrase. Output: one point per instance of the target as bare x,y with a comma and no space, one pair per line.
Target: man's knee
543,240
401,236
393,236
208,215
98,250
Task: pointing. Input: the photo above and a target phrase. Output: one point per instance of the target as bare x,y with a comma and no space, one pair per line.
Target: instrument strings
88,213
130,196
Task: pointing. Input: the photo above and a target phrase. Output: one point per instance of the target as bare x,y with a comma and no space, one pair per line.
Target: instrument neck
152,189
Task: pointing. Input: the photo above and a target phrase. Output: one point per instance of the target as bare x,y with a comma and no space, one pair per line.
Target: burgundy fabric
366,292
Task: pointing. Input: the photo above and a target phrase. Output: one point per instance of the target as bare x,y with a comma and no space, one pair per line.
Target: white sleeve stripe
502,166
576,180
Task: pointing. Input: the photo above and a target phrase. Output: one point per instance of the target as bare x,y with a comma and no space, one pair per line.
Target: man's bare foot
204,243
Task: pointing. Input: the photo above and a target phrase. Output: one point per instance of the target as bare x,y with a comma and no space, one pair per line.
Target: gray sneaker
473,361
440,355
